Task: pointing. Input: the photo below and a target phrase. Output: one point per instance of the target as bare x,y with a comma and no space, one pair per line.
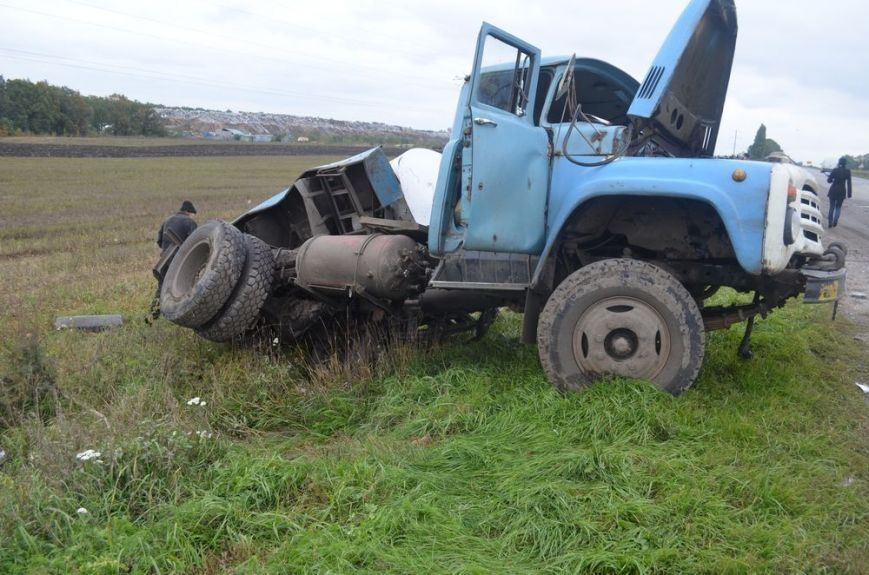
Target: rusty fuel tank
382,266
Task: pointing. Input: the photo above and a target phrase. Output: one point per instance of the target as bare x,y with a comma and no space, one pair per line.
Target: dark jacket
840,177
180,223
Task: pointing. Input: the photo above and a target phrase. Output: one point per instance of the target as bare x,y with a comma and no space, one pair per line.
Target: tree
762,146
41,108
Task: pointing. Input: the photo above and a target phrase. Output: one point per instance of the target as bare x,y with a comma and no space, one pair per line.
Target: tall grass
461,460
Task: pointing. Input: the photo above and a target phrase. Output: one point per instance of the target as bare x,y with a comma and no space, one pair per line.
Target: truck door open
505,186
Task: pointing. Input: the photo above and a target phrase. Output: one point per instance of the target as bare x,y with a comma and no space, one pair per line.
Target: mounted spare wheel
625,318
203,274
244,304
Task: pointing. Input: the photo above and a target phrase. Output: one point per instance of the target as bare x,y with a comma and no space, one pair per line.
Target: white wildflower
82,511
197,401
276,341
204,434
88,454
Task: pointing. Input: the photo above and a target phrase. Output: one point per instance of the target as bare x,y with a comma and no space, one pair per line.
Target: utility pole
735,134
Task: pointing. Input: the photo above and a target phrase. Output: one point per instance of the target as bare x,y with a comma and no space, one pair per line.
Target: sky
801,67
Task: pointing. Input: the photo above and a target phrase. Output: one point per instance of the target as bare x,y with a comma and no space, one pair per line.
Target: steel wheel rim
622,336
191,269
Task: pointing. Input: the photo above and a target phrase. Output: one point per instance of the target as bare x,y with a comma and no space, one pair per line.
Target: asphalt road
853,231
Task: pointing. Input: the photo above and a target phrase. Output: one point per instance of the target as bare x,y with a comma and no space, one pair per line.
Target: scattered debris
862,386
858,295
848,481
82,511
88,322
2,456
196,401
88,454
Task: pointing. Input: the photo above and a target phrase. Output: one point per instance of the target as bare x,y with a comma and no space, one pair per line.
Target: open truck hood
682,97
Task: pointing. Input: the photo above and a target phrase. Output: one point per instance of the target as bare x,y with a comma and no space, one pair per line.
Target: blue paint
262,206
383,179
498,189
445,235
683,92
741,205
497,201
377,168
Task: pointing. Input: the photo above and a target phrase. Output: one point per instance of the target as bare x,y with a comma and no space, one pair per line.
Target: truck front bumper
823,286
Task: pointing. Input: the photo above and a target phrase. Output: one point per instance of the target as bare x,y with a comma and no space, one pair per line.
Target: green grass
457,459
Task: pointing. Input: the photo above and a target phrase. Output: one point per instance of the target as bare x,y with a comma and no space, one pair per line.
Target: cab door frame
506,157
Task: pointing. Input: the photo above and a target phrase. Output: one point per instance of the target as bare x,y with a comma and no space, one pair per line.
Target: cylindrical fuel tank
383,266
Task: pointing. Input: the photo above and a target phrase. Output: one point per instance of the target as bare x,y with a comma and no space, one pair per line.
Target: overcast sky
801,67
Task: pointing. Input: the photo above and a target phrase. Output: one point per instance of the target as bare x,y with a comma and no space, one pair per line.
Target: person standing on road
174,230
840,178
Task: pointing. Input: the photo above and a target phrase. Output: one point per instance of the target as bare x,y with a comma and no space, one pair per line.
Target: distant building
303,139
262,138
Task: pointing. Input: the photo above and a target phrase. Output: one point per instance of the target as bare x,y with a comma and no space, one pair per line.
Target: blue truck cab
569,169
568,191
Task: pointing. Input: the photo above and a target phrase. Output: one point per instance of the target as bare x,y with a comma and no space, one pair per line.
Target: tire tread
589,278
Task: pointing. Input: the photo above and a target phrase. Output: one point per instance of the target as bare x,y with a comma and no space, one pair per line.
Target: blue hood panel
682,96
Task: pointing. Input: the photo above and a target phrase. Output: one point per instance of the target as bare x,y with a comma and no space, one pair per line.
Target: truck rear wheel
203,274
625,318
246,300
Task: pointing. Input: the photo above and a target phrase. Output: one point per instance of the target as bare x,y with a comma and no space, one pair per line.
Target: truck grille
810,216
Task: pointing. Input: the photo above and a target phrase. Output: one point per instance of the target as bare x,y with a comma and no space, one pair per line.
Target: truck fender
741,209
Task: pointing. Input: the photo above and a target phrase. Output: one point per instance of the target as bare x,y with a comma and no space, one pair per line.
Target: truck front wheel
625,318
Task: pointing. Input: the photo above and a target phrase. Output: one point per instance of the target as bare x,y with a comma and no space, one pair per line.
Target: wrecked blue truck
568,191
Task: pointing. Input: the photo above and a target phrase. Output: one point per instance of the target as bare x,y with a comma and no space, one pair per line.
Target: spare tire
203,274
246,300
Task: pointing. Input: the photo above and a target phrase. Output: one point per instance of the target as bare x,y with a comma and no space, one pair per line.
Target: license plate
829,292
824,287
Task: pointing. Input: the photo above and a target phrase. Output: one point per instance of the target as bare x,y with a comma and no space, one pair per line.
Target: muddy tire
244,304
625,318
203,274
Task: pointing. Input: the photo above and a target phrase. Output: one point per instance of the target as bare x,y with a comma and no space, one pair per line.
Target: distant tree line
40,108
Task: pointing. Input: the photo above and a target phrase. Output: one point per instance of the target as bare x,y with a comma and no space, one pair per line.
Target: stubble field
453,459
